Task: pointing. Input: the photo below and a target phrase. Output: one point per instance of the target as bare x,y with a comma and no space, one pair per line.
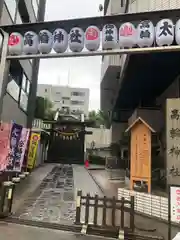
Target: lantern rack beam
83,23
97,53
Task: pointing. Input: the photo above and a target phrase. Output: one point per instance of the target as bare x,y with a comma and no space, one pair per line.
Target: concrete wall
11,111
117,131
152,5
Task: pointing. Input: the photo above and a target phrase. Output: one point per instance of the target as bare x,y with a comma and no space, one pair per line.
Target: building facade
72,100
130,91
15,104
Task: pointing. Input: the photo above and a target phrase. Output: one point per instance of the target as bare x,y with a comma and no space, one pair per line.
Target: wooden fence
100,207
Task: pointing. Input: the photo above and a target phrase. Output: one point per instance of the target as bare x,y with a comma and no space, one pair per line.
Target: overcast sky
83,72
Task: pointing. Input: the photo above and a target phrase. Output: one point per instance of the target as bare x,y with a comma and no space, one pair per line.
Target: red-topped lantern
92,38
15,44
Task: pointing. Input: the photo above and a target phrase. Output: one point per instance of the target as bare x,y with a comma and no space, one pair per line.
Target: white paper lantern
164,32
92,38
45,41
31,42
109,37
127,35
145,34
60,40
15,44
177,32
76,39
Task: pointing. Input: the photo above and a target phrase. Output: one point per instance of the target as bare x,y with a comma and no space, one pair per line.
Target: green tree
44,108
100,118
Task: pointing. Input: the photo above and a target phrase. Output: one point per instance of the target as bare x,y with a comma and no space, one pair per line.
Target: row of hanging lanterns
128,36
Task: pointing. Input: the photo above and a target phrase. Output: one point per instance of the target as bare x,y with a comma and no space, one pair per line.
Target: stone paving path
83,181
19,232
53,201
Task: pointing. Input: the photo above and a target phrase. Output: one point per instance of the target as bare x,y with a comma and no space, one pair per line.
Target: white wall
101,137
147,204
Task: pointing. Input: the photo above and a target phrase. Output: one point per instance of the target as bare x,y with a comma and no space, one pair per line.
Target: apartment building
68,99
15,105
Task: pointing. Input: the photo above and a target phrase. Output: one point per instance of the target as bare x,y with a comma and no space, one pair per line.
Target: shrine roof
139,119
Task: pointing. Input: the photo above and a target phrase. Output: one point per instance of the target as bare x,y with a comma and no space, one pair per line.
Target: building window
23,103
28,86
13,89
65,98
11,6
58,93
24,82
57,101
80,94
74,102
122,3
35,7
45,90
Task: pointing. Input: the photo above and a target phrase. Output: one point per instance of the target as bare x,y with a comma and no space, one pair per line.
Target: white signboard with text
175,203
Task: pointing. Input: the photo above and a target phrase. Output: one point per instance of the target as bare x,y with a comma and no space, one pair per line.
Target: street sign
173,206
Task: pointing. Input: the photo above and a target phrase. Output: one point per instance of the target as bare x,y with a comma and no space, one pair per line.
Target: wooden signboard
140,153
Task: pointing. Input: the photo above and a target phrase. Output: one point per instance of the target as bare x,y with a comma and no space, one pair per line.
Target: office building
67,99
15,104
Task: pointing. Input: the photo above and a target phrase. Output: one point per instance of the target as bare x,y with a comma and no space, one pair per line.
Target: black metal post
78,207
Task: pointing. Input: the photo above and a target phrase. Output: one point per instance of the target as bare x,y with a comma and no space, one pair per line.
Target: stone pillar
172,140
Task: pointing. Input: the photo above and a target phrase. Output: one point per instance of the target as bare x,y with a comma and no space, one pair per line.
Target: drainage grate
68,196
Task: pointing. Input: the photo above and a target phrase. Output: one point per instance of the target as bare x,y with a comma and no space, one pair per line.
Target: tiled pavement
52,197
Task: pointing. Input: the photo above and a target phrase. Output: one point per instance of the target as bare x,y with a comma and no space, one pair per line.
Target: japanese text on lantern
13,40
75,36
91,34
126,31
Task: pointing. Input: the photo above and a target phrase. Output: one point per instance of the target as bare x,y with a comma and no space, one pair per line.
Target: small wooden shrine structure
140,152
66,141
